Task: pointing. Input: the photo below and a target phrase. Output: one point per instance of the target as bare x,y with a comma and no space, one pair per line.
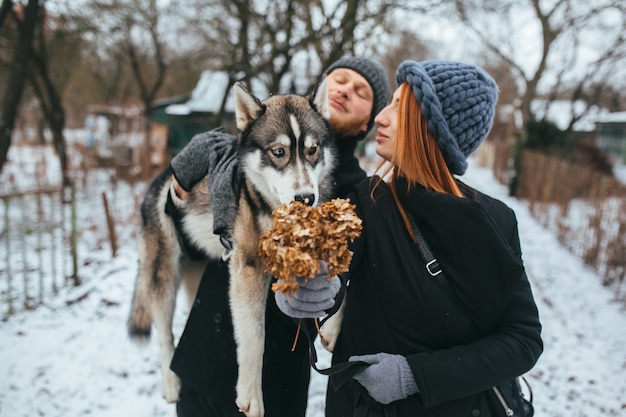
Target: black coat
393,305
205,359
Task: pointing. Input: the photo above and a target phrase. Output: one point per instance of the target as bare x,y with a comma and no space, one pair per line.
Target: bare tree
108,71
406,46
136,27
273,41
24,27
45,48
562,26
53,55
346,25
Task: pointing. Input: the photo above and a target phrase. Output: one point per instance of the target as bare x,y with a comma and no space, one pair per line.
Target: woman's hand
388,378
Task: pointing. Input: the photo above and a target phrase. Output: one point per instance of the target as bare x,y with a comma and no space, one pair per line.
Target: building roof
560,113
617,117
208,94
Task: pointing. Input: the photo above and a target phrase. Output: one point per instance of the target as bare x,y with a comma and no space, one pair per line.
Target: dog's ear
319,98
248,108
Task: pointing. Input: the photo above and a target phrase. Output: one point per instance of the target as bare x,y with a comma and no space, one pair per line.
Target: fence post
39,226
53,258
74,238
23,247
111,225
8,256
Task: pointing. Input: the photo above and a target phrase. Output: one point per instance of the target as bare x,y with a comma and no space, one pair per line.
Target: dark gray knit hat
458,100
375,75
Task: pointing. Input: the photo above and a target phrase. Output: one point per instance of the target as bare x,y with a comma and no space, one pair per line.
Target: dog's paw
250,409
251,404
170,387
330,330
329,339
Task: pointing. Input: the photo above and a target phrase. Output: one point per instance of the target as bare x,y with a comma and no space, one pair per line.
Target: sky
71,356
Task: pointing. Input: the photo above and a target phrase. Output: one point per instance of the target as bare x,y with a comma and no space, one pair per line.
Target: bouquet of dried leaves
302,235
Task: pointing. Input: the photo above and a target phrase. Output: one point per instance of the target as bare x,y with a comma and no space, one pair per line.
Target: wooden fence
38,237
585,209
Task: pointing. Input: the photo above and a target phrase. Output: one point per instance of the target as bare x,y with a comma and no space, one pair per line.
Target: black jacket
393,305
205,358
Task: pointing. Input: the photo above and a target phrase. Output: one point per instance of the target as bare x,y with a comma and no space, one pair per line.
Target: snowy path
71,357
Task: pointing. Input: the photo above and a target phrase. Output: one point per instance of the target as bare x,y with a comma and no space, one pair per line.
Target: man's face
351,100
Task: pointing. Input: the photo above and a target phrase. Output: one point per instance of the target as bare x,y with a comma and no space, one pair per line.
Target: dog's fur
285,153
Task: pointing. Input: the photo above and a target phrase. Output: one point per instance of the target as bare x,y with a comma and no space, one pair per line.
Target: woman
432,353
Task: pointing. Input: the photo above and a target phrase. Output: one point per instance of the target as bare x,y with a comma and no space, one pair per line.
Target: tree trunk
17,76
145,155
50,102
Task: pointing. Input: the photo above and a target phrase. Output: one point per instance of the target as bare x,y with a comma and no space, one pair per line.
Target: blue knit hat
376,77
458,100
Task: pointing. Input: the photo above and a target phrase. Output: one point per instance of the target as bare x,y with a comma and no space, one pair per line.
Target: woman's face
387,120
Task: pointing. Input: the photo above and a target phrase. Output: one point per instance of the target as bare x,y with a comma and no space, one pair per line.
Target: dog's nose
307,199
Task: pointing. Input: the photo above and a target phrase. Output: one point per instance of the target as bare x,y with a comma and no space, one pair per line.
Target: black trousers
206,362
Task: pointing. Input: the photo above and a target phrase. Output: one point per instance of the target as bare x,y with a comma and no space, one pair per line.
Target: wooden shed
187,115
611,135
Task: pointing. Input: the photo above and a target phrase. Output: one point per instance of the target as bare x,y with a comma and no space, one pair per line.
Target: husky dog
285,153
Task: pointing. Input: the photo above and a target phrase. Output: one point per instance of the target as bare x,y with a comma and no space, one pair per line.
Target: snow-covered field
71,356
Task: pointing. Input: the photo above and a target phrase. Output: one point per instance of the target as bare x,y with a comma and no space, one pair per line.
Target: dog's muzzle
308,199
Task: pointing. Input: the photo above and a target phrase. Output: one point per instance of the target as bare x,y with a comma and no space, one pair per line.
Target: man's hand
313,298
180,192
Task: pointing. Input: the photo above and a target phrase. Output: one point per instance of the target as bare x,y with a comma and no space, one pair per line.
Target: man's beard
345,129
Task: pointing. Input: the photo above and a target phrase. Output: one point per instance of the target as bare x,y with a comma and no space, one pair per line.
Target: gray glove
200,155
314,296
213,153
388,378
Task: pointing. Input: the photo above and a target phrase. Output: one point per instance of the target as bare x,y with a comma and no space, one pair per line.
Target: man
205,359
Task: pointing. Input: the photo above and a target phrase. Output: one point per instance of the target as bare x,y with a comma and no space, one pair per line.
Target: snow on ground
71,356
619,170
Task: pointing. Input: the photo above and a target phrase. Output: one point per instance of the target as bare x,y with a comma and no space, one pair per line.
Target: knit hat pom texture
458,100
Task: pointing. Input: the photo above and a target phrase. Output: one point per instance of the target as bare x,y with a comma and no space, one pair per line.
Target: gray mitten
193,162
388,378
314,296
224,189
213,153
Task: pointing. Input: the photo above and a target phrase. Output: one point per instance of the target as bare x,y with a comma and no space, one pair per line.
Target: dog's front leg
332,327
248,297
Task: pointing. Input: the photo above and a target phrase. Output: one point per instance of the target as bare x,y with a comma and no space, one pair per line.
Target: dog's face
286,148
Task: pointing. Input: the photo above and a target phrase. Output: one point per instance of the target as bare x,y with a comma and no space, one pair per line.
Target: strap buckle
433,268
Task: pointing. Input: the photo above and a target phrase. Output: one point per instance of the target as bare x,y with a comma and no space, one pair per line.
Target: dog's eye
278,152
313,150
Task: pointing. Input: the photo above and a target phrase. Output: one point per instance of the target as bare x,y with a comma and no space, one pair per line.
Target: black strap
432,265
434,269
530,390
340,372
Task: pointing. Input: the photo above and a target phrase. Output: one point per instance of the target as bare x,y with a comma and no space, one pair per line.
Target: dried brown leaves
301,235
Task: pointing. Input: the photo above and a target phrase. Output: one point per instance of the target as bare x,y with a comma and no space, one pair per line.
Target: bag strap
432,265
341,372
434,269
530,390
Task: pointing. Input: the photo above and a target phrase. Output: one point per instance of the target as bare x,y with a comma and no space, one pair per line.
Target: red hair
416,154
